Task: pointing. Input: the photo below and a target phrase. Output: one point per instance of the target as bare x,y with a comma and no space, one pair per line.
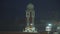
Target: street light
49,24
48,28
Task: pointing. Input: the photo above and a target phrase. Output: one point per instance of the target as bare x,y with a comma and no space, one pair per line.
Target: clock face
27,14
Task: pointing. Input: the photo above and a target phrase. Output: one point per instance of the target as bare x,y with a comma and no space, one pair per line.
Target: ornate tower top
30,6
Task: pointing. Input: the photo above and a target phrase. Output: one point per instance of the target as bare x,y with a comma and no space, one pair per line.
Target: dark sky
12,12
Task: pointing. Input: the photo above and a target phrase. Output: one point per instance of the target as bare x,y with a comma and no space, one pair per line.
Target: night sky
12,13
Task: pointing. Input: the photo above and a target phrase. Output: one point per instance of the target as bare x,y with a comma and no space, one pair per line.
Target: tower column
27,21
27,17
33,17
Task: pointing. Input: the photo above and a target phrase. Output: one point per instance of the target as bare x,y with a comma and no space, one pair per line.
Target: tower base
30,29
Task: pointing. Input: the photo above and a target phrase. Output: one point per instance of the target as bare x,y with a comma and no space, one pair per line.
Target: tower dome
30,6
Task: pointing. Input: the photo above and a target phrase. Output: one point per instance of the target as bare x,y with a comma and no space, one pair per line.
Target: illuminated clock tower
30,17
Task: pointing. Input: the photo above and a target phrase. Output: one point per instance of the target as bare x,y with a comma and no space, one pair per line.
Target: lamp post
49,24
48,28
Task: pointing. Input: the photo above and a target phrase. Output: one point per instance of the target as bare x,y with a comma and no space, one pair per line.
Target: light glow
49,24
31,24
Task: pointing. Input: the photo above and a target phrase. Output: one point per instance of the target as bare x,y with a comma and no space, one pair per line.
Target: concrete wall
21,33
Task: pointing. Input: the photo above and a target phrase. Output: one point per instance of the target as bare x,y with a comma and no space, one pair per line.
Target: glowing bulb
49,24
